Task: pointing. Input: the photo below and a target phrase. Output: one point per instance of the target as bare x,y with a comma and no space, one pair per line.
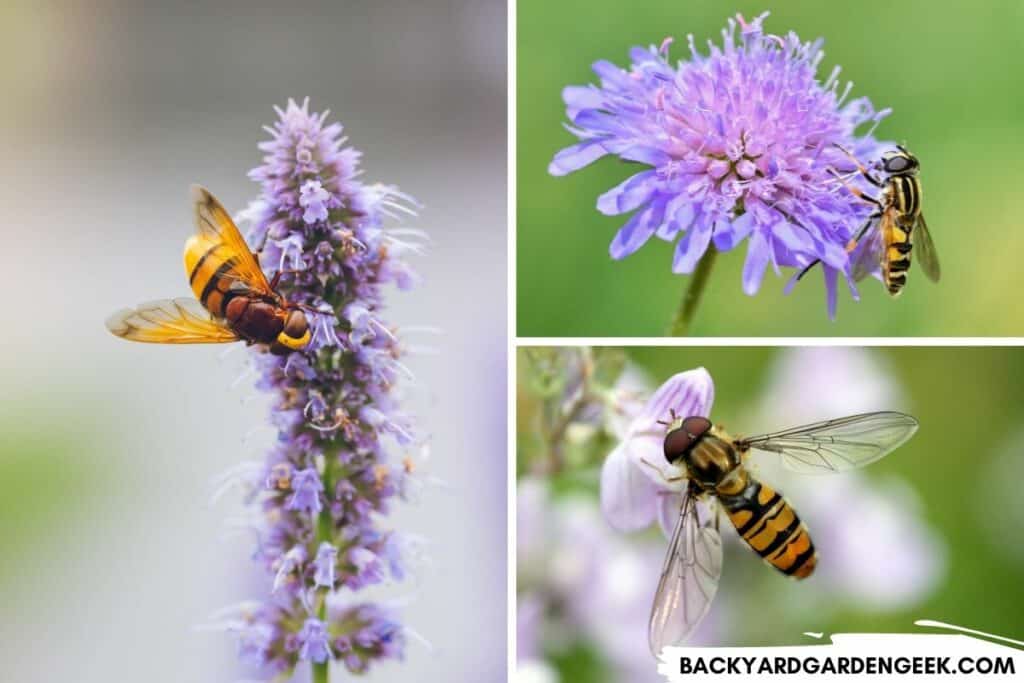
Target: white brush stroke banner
856,657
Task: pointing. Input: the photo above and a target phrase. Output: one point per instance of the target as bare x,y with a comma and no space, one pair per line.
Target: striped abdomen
897,226
210,269
771,528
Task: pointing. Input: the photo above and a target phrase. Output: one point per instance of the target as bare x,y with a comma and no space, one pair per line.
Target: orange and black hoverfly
235,300
713,467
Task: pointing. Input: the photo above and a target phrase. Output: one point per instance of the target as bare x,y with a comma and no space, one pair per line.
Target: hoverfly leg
852,244
853,190
668,480
807,268
713,512
860,167
672,412
287,271
305,307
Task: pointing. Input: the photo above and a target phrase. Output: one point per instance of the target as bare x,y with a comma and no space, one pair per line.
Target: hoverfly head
900,162
681,438
295,333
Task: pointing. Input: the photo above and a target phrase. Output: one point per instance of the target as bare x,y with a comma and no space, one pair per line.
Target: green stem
320,672
323,533
694,290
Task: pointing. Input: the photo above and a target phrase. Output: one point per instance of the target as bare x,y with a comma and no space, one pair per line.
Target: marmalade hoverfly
713,465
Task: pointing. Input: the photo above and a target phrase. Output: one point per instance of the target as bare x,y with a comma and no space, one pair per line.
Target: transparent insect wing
925,250
689,580
838,445
867,255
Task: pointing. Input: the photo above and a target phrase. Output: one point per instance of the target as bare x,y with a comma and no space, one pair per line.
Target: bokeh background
950,72
112,554
930,532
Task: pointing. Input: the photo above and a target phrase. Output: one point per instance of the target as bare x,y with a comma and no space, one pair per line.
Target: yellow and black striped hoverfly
712,464
234,301
900,223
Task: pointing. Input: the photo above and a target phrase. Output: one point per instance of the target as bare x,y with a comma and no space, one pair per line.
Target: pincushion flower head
735,146
342,454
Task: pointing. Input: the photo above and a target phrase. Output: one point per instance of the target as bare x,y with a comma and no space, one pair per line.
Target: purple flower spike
327,484
735,145
635,490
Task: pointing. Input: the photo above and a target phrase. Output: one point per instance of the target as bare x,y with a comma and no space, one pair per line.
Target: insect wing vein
838,445
689,580
927,256
214,223
169,321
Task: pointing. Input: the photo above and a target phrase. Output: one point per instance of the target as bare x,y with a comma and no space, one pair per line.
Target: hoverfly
900,223
713,465
235,300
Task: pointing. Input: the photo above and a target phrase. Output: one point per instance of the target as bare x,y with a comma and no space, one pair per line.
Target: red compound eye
681,439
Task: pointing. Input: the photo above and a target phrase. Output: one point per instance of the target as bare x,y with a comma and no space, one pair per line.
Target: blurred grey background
111,552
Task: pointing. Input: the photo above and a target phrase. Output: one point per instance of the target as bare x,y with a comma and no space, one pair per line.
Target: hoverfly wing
838,445
170,321
689,580
925,249
866,256
215,227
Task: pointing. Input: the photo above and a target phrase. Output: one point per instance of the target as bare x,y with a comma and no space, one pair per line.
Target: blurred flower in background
1001,516
582,585
585,590
853,517
738,145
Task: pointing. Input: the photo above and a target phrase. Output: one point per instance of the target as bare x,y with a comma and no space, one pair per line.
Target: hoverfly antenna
672,413
304,307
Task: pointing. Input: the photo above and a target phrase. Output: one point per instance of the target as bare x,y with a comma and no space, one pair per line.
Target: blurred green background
950,71
964,464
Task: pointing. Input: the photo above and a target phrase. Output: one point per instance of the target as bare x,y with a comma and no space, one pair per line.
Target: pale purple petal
670,505
685,394
727,236
692,247
757,260
576,157
628,496
629,194
635,233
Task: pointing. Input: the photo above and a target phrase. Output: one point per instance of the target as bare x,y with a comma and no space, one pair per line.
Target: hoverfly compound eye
898,163
681,439
696,426
295,334
296,326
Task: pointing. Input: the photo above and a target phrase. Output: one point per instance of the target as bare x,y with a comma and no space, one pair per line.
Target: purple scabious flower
327,483
738,144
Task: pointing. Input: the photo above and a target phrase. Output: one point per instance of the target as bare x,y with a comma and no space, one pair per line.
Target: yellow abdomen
209,266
